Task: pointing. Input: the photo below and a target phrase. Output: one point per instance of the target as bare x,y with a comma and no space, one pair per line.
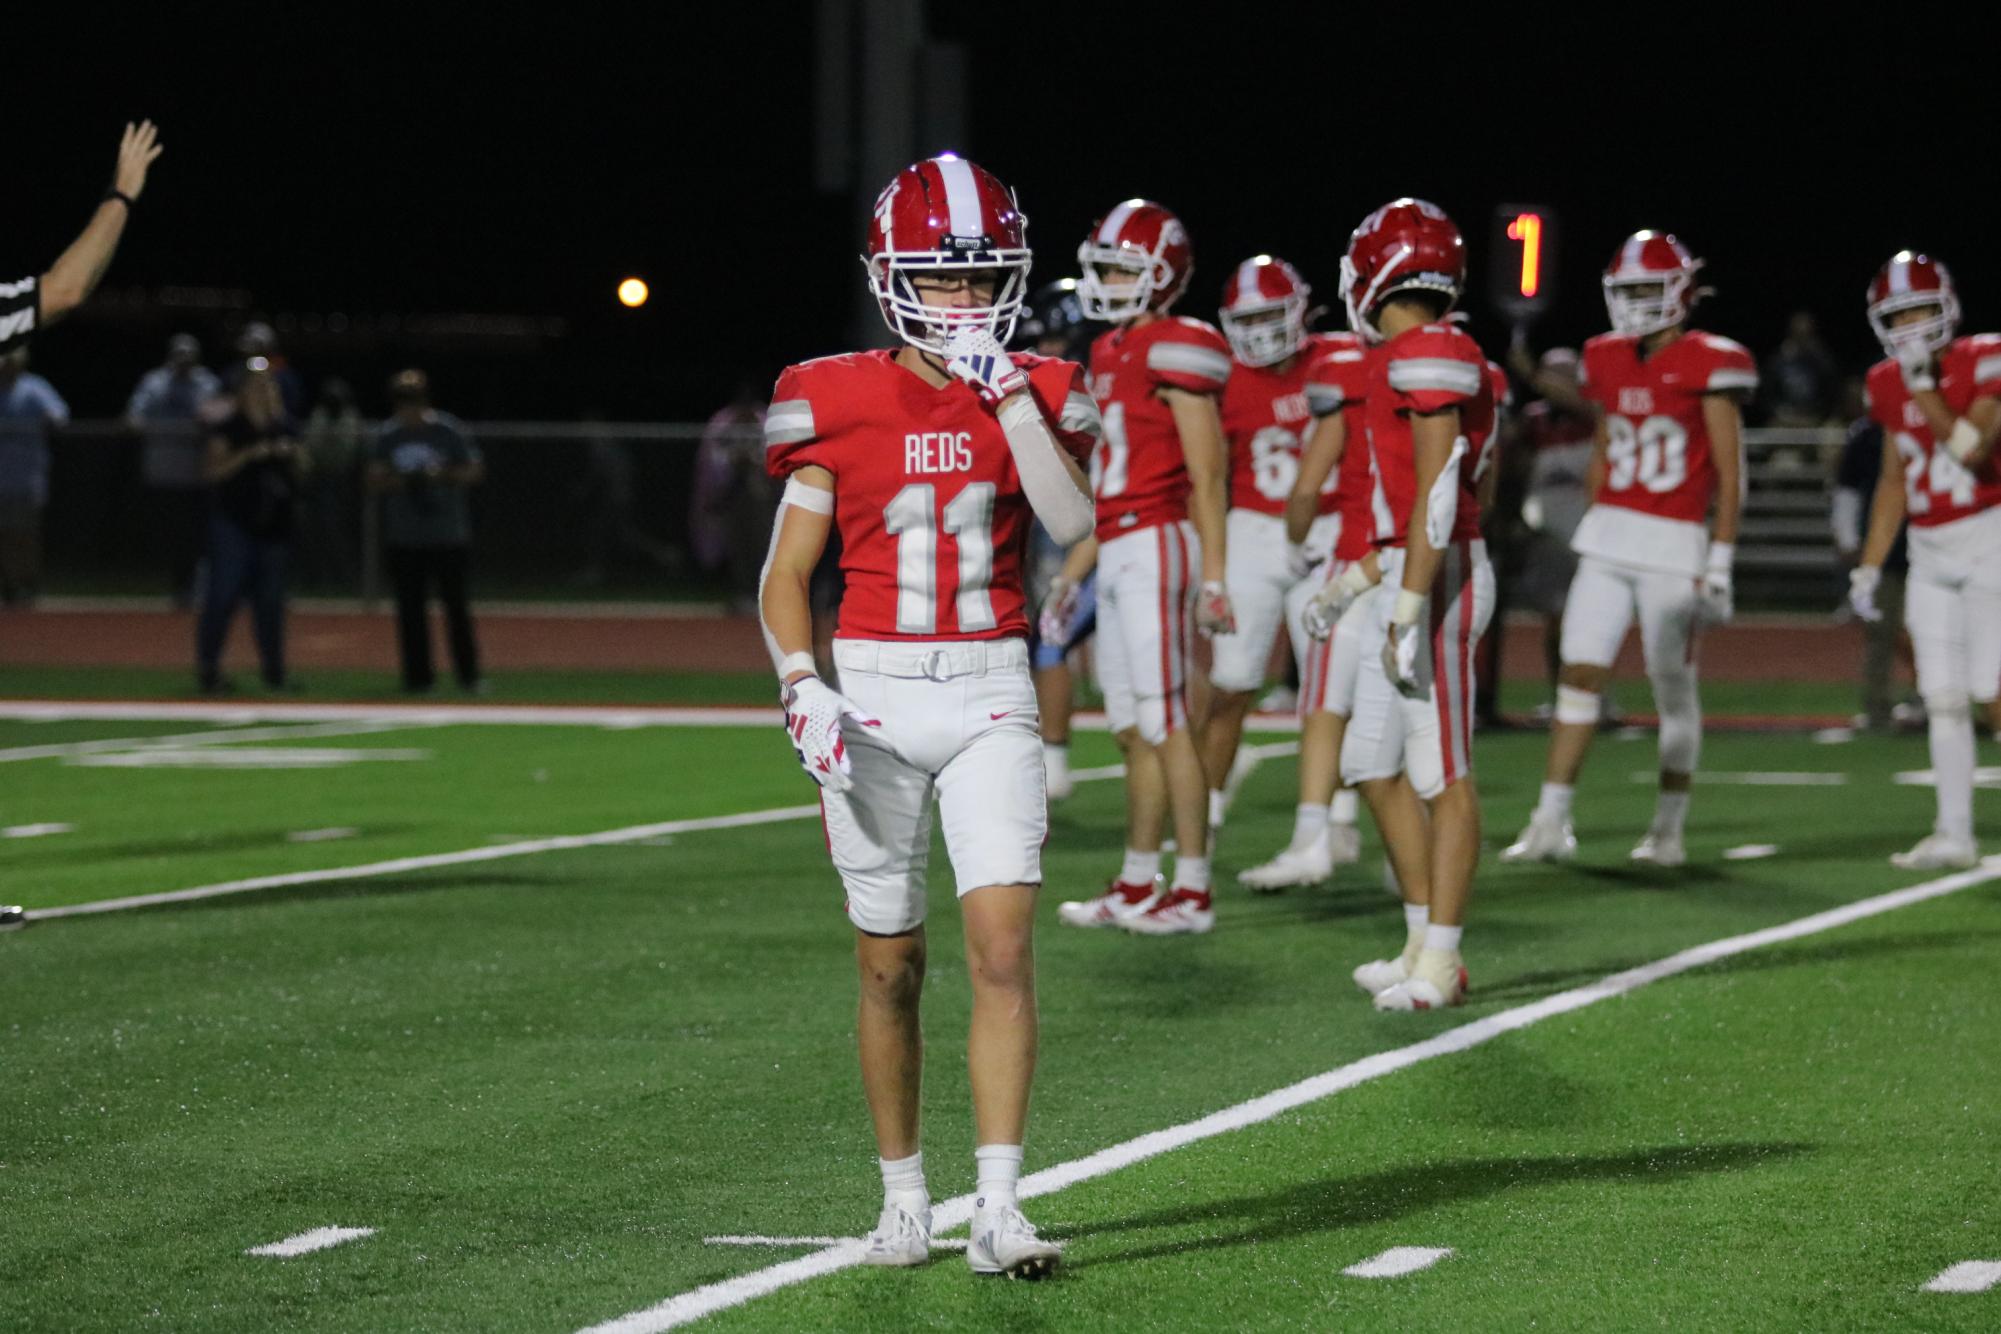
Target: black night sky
522,161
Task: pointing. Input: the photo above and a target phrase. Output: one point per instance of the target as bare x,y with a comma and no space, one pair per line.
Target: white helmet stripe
1630,259
1247,283
1900,275
1116,219
962,196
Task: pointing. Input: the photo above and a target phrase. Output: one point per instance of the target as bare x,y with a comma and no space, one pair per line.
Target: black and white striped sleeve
20,311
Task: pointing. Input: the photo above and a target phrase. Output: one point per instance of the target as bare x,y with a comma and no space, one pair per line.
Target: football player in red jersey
1158,475
1266,414
1669,443
931,459
1938,400
1428,414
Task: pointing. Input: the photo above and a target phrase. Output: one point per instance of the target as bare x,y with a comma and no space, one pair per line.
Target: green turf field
545,1080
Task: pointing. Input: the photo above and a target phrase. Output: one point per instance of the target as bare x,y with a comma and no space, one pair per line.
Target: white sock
1309,825
1671,809
1140,867
1555,802
1191,873
999,1168
1218,804
1445,938
903,1182
1952,771
1344,809
1056,758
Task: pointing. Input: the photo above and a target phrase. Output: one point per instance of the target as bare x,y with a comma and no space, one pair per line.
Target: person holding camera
253,465
422,465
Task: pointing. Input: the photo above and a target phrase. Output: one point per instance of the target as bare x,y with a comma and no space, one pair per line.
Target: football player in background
1669,443
931,458
1159,549
1265,415
1428,414
1938,400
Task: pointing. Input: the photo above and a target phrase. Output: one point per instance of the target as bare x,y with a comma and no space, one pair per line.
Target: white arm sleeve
1847,518
1066,509
806,498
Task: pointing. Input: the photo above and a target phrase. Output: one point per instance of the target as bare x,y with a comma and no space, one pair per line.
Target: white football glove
1299,562
1400,658
1863,581
1213,613
1718,602
1919,365
813,714
1059,609
1333,598
1441,510
977,357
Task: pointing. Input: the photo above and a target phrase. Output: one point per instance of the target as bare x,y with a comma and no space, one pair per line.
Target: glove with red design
813,714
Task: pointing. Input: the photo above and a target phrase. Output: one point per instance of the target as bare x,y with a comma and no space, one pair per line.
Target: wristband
1355,579
123,198
1721,557
1963,441
1410,606
797,662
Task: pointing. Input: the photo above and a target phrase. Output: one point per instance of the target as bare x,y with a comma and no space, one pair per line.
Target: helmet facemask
1267,333
1930,335
930,328
1635,314
1116,305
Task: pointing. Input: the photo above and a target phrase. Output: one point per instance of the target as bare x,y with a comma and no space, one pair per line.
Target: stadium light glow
632,293
1527,228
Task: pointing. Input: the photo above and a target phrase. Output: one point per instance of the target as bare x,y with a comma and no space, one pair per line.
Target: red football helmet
1405,245
1264,311
1139,237
946,215
1650,259
1911,281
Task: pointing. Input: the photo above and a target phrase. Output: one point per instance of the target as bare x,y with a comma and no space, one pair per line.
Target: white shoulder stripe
1324,400
1185,359
17,287
1457,377
1732,379
788,423
1080,413
1987,368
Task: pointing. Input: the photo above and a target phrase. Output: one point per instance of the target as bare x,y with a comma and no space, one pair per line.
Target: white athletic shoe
1005,1243
900,1239
1659,849
1543,841
1295,866
1937,852
1438,980
1379,975
1119,901
1344,844
1181,913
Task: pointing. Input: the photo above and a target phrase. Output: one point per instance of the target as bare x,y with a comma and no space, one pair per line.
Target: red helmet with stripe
1650,284
1911,281
1142,239
946,215
1406,245
1264,311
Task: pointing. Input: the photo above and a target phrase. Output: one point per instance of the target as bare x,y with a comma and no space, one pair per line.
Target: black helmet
1055,312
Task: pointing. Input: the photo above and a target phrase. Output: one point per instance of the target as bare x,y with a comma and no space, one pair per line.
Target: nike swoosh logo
996,717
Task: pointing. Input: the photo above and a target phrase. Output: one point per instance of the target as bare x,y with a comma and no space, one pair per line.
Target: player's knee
1005,964
1681,720
1949,704
1231,702
892,969
1575,704
1583,676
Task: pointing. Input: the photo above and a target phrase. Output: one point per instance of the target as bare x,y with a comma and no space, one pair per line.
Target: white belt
935,662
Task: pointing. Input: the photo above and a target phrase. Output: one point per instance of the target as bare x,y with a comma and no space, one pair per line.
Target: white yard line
1967,1276
223,737
1748,778
693,1305
1751,852
1398,1261
937,1244
307,1242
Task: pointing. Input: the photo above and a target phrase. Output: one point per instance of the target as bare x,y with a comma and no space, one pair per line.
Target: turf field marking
696,1303
1753,778
307,1242
1834,736
1967,1276
35,830
224,737
1751,852
1986,776
319,835
243,757
1398,1261
943,1244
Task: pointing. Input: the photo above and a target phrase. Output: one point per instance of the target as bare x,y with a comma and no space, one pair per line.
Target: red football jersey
1266,418
1427,369
932,517
1138,471
1938,488
1338,381
1657,454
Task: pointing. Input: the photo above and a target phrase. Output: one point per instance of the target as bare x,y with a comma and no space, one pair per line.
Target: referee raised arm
30,303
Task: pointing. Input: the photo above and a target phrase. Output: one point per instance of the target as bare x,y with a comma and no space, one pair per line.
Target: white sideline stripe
1398,1261
307,1242
227,736
1967,1276
36,830
693,1305
1751,852
1746,778
944,1244
1834,736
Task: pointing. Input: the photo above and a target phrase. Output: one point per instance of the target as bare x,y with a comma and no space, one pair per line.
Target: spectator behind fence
1801,382
29,406
165,409
253,463
733,506
259,342
336,441
1884,640
423,463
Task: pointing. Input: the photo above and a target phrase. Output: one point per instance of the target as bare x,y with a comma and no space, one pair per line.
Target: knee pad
1152,722
1681,721
1954,708
1578,706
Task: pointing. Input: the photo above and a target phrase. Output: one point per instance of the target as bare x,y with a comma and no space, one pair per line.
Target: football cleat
1660,849
1937,852
1344,844
1181,913
1121,900
900,1239
1295,866
1380,974
12,918
1543,841
1438,981
1005,1243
